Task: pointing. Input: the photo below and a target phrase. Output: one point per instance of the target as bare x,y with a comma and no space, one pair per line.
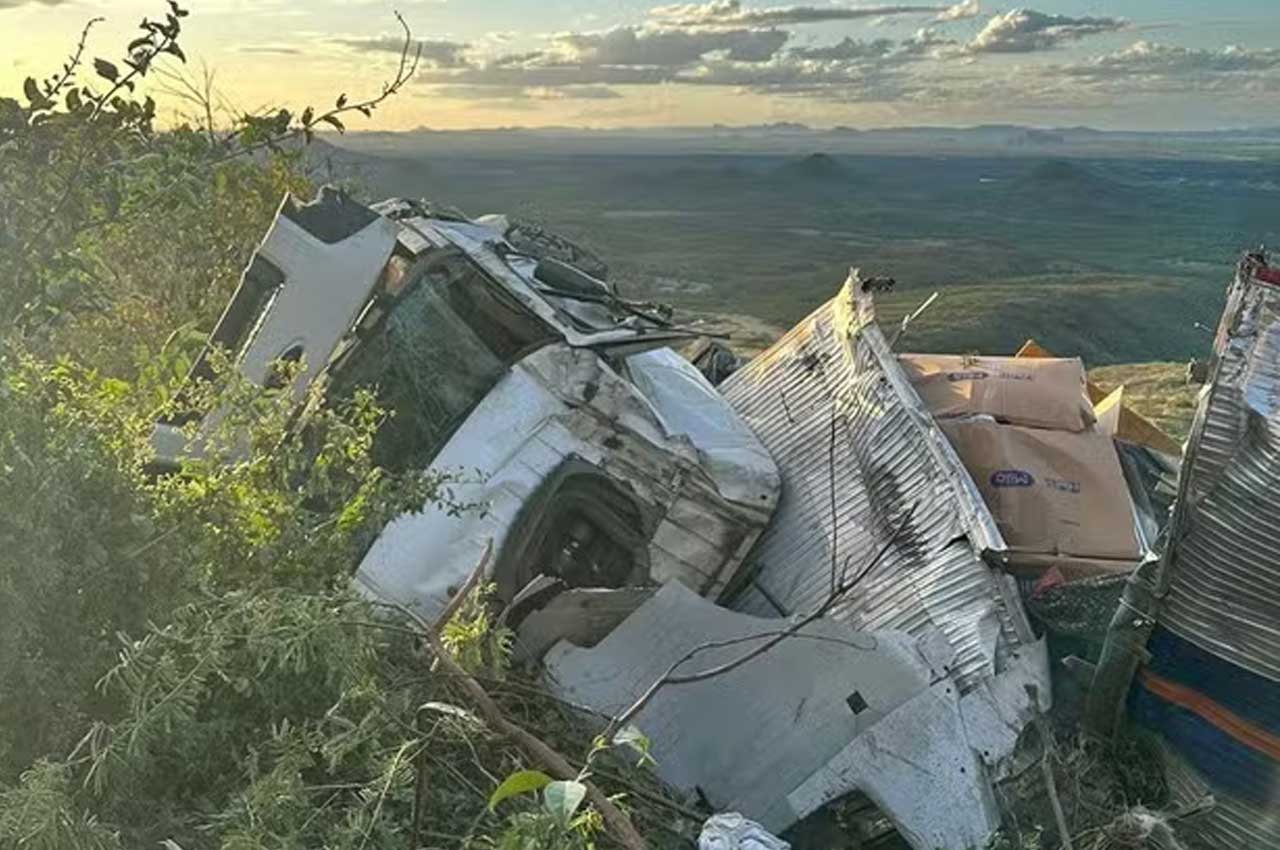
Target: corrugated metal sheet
1231,822
835,370
1222,568
1224,564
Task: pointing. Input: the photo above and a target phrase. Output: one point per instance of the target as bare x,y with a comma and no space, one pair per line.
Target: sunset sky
1142,64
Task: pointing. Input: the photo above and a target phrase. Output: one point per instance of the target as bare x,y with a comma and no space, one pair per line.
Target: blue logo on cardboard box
1012,478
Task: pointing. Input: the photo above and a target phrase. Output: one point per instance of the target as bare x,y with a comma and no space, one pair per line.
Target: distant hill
815,166
797,139
1065,182
1033,138
1060,171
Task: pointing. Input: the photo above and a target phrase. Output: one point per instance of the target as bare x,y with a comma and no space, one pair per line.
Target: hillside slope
1104,319
1159,391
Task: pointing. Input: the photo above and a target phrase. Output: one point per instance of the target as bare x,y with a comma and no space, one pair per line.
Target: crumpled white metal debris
823,713
731,831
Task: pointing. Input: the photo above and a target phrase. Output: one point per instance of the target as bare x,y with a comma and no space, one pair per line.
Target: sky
1119,64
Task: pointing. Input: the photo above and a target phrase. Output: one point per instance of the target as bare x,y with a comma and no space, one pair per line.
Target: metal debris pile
797,576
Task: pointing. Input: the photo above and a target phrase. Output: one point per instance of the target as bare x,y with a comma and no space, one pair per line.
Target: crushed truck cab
588,450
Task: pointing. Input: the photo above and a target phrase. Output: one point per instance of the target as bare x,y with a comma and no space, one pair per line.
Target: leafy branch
157,39
574,785
79,157
257,132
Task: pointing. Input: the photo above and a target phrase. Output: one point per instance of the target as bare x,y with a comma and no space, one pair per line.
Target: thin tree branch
76,59
617,821
467,588
136,70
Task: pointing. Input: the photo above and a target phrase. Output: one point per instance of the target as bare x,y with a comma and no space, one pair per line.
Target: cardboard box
1037,392
1051,492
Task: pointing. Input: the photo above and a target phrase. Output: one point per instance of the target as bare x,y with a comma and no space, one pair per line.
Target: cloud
435,53
1147,58
847,50
13,4
507,60
586,65
704,50
1146,67
269,49
544,71
470,92
924,44
574,93
1026,31
663,47
960,11
722,13
619,56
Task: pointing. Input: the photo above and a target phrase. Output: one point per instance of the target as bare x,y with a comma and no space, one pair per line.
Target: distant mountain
1037,138
797,139
1061,181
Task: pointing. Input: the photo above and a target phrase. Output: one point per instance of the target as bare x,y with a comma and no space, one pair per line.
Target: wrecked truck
641,517
593,453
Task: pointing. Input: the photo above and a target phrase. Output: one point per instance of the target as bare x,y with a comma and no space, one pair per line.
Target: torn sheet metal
1211,681
916,766
1230,822
1224,569
835,369
781,735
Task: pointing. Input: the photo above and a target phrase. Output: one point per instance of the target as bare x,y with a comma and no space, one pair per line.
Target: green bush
182,660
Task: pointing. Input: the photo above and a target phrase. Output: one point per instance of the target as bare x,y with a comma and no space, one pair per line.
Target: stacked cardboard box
1024,428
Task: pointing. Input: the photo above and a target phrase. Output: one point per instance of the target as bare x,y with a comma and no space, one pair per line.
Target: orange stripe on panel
1247,733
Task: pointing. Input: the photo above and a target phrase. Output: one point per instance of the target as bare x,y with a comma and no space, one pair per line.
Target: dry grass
1158,391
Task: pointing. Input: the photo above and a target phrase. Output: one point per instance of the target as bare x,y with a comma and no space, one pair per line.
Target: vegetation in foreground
182,662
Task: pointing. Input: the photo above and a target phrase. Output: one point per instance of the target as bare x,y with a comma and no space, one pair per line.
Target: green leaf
342,100
630,736
520,782
333,120
106,70
563,799
32,90
73,100
307,115
176,51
